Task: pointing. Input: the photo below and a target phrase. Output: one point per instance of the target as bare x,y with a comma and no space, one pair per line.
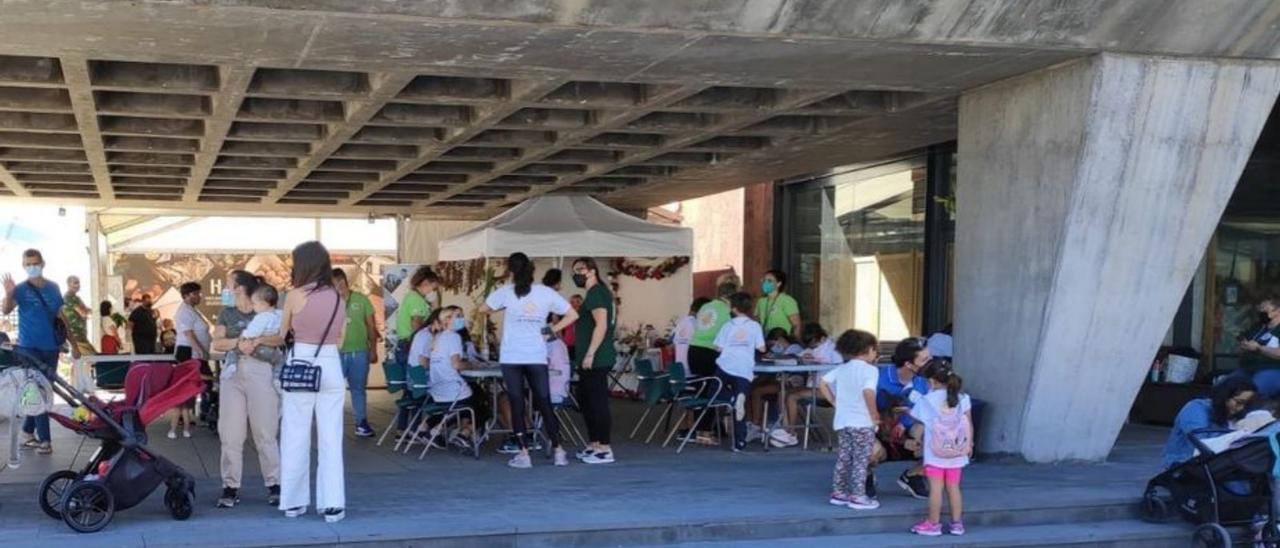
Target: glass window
857,248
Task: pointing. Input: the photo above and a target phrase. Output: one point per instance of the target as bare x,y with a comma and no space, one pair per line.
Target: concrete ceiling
459,108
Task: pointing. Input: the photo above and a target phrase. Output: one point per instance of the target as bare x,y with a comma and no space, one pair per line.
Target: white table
100,358
782,370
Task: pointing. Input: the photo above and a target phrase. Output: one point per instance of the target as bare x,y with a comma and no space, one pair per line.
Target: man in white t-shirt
739,341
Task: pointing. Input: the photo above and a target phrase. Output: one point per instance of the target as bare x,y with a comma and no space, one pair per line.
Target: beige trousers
248,402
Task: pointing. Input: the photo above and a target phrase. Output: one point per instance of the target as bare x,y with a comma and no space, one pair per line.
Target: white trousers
298,408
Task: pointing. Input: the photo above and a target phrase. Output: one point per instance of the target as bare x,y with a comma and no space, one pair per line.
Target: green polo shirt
413,305
607,355
358,311
711,317
775,312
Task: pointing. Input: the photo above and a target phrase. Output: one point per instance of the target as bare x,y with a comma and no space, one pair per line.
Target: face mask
580,280
228,298
768,287
459,324
34,271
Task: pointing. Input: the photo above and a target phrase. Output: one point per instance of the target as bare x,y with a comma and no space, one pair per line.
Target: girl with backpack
948,443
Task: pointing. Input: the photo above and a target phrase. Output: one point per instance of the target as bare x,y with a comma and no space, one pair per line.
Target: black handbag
301,374
59,326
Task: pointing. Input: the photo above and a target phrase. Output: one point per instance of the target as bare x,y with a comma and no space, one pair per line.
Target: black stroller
123,471
1235,488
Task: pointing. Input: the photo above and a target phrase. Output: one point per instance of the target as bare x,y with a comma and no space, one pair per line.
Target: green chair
653,386
699,395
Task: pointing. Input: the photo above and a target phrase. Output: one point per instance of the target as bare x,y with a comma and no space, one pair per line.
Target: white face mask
34,270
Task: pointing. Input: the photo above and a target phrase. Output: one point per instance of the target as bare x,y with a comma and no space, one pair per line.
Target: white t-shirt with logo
523,320
446,384
420,347
738,341
849,382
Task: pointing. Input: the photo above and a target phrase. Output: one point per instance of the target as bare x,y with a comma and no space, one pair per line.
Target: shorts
949,476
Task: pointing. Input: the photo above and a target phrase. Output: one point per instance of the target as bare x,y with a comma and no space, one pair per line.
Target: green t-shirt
358,310
711,317
606,356
413,305
776,312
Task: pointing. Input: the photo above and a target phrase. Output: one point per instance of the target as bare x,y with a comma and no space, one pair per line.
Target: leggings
853,459
702,363
515,375
593,395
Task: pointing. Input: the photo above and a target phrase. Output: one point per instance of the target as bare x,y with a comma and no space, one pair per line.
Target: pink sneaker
927,529
957,528
838,500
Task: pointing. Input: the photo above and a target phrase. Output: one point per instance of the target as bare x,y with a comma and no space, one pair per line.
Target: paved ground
393,496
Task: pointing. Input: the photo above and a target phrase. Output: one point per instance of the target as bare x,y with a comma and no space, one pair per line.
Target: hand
588,361
1251,346
9,286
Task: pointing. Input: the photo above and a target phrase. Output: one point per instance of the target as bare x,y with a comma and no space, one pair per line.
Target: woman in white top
684,332
447,357
523,350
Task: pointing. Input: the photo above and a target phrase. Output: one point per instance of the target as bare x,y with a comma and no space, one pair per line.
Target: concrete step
1117,534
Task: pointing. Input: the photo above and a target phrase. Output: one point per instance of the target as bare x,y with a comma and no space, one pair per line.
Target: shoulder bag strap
336,301
43,302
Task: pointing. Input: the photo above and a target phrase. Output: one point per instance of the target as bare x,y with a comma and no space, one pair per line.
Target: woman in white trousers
315,314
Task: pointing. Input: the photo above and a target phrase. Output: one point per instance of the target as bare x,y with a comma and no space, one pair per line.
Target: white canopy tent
567,226
556,227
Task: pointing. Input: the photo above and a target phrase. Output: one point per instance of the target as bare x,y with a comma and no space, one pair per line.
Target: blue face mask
228,298
459,324
768,287
34,271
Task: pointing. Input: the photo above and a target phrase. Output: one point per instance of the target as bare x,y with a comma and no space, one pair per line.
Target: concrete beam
75,71
234,84
382,89
1087,194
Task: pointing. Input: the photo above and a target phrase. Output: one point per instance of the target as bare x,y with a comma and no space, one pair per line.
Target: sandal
31,443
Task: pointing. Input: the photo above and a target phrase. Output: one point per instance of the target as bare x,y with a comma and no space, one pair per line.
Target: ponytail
521,269
954,383
940,371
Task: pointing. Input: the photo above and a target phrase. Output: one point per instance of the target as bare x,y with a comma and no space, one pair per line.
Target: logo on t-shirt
740,335
707,319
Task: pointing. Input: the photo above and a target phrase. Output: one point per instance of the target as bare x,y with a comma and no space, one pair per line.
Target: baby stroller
123,471
1237,487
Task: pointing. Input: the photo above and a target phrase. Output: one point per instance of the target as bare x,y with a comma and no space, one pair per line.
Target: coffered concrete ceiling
460,108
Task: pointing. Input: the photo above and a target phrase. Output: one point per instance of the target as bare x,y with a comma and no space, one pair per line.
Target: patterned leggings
852,460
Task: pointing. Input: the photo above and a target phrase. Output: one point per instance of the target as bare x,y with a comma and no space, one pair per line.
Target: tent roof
566,226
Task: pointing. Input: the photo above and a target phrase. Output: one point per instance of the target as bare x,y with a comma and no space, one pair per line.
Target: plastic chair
653,386
705,398
396,377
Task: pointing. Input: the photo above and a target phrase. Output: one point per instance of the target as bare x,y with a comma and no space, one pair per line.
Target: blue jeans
355,367
39,424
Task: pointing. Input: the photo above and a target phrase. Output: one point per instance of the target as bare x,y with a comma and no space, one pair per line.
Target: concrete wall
717,226
1086,196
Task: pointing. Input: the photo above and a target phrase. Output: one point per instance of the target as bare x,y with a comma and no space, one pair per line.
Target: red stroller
123,471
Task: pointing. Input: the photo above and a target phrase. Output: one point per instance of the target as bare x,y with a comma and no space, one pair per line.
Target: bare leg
755,402
504,413
956,501
935,500
793,404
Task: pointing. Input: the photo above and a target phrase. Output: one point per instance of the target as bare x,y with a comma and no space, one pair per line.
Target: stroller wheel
52,489
1211,535
88,506
180,501
1155,506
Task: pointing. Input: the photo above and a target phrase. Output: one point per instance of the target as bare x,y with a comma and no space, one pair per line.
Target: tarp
567,226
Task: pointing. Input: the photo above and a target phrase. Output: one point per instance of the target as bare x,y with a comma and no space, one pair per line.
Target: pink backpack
949,435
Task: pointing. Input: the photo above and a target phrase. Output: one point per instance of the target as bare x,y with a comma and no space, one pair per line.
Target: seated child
446,360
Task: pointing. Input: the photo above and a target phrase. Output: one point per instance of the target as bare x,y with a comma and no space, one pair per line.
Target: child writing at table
739,342
851,390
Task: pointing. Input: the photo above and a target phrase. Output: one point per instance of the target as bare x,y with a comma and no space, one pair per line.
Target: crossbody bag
302,374
59,326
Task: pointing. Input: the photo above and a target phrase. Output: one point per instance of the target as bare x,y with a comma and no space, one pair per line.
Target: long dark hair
940,371
1224,391
246,280
811,333
104,309
521,269
311,265
434,317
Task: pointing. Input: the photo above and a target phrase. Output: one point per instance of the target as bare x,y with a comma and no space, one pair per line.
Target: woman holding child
247,395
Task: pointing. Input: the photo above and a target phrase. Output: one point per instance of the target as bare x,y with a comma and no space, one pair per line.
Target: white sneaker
754,433
782,438
863,503
186,433
521,460
599,457
295,512
561,458
172,435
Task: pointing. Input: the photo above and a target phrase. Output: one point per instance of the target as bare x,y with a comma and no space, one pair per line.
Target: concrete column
1087,193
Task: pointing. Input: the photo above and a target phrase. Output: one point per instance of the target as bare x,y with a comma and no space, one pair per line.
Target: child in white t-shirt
683,332
559,369
446,357
739,341
266,321
946,415
851,390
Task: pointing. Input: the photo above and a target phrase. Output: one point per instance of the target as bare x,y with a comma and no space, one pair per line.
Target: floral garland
659,271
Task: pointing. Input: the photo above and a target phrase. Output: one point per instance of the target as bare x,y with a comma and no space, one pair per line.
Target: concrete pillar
1087,193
